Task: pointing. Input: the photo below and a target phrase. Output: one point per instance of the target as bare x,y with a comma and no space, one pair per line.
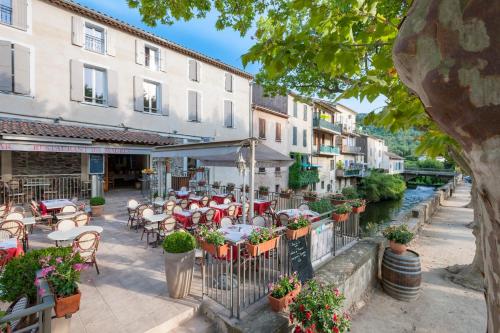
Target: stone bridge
445,174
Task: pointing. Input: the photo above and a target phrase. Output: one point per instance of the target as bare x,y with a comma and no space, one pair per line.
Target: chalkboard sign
300,258
96,164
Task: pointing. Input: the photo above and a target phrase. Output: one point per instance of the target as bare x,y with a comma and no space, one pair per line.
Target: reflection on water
382,212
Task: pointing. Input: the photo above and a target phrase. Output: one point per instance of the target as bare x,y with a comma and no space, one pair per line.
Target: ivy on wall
299,177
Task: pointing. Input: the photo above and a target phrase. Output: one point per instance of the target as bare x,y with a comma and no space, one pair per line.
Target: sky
200,35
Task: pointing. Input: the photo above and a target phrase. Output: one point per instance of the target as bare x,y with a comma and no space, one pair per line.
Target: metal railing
22,189
329,150
94,44
351,149
5,14
322,123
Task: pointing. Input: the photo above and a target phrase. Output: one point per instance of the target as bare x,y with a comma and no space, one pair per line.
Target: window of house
295,109
95,85
151,96
305,112
194,70
152,58
278,132
228,82
314,186
294,136
94,38
329,188
277,169
304,138
262,128
194,106
276,188
322,184
6,12
15,68
262,170
332,164
228,114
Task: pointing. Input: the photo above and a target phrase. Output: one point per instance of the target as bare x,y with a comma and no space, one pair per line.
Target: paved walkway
442,306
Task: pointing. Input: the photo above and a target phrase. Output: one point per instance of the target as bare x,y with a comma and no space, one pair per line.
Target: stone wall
31,163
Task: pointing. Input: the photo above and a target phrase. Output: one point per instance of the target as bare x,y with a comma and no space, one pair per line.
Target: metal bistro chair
168,207
65,225
166,227
178,209
146,212
271,210
68,209
283,219
184,203
14,216
204,201
259,221
226,222
81,219
39,217
86,244
232,211
193,206
227,201
208,218
195,221
136,220
16,228
212,203
132,206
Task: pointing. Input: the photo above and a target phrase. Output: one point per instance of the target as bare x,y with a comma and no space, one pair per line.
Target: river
381,212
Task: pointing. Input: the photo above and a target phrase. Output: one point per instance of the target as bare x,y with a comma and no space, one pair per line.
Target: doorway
124,171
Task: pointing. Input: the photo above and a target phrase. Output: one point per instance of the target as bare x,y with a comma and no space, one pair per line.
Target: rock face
448,53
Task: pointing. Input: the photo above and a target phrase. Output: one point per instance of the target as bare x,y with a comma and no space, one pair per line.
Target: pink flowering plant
284,285
260,235
62,273
318,309
298,223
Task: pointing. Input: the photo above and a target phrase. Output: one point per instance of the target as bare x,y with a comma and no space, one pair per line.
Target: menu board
96,164
300,258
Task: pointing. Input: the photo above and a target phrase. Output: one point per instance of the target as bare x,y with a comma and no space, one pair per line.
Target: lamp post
242,168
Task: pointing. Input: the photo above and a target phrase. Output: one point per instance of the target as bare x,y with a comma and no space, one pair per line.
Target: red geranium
308,315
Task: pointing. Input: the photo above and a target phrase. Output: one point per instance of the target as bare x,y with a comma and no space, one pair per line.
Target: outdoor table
29,220
294,213
223,208
72,233
219,198
67,216
195,199
182,194
184,218
55,204
237,232
260,206
13,247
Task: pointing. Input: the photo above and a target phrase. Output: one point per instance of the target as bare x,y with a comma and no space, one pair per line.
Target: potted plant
310,196
358,206
318,308
398,237
260,241
230,187
341,212
216,184
212,241
148,171
286,193
97,205
200,169
179,250
202,182
247,188
62,275
263,190
338,199
298,228
283,291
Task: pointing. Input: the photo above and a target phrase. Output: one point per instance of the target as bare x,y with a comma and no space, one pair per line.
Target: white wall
301,125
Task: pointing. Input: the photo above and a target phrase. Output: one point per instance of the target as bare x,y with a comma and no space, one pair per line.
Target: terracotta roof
24,127
123,26
269,110
393,156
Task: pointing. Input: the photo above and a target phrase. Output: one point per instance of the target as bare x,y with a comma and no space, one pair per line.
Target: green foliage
284,285
321,206
298,177
426,180
340,165
399,234
298,223
350,192
357,203
179,242
381,186
215,237
62,273
97,201
342,209
426,164
263,189
260,235
19,274
321,306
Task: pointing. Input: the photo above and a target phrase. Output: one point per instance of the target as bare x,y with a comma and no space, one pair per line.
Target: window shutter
110,42
262,128
164,99
198,107
228,114
163,60
304,138
21,69
76,77
192,100
138,94
77,30
295,109
278,132
193,71
112,88
139,52
20,14
5,66
229,82
294,136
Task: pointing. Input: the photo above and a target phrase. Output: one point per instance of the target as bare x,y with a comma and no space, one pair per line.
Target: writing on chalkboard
96,164
300,258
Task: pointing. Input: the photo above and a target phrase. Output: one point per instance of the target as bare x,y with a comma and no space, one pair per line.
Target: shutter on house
192,101
20,14
163,60
5,66
77,30
76,77
139,52
164,99
112,88
110,42
262,128
198,107
138,94
229,82
278,132
294,136
228,114
304,138
21,69
192,70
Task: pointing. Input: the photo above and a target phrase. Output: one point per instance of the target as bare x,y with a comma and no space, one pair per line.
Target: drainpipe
252,154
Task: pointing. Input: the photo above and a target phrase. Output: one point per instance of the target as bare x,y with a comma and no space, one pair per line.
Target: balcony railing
352,172
5,14
94,44
324,124
330,150
351,149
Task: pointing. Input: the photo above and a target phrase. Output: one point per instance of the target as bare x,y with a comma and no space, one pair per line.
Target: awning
225,153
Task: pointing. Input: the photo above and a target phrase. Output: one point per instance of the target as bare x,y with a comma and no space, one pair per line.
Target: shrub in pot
179,250
338,199
263,190
358,206
97,205
298,228
398,236
261,240
212,241
283,291
230,187
216,184
341,212
317,308
286,193
310,196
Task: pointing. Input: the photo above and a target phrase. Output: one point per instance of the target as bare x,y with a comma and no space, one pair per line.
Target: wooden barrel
401,274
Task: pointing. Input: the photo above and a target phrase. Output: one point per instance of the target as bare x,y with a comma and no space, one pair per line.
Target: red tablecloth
14,251
223,211
186,220
261,207
219,198
182,196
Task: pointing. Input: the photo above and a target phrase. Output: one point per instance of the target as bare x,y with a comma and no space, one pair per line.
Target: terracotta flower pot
262,192
359,209
310,199
296,234
97,210
338,201
179,273
258,249
281,304
216,251
67,305
397,248
285,195
340,217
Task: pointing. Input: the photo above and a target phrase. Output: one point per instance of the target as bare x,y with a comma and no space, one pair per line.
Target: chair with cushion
195,220
132,205
204,201
259,220
81,219
178,209
136,221
17,229
208,217
14,216
232,211
212,203
146,212
65,225
86,244
226,222
166,227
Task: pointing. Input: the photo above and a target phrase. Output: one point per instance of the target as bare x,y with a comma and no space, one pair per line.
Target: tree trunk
447,53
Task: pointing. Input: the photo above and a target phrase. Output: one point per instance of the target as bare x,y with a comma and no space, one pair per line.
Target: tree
437,61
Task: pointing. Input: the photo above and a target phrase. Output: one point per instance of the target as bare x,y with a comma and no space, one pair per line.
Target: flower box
310,199
359,209
281,304
340,217
214,250
258,249
397,248
262,192
339,201
297,233
285,195
67,305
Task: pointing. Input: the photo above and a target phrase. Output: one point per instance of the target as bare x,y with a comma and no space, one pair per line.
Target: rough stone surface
29,163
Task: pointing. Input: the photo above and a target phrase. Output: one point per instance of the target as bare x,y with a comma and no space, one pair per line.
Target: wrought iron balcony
351,149
329,150
5,14
324,124
94,44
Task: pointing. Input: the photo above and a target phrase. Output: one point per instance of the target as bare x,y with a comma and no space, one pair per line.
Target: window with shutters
305,112
152,57
295,109
262,128
151,97
278,132
194,70
228,114
332,164
194,106
14,68
262,170
95,40
228,82
304,138
95,85
294,136
6,12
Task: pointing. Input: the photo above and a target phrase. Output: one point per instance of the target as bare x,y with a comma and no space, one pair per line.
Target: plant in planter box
317,308
286,193
212,241
341,212
261,240
230,187
398,236
310,196
358,205
263,190
350,193
283,291
247,188
340,165
62,275
97,205
179,250
338,199
216,184
202,182
298,228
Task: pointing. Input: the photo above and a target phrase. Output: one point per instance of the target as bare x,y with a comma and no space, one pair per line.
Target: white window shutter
112,88
110,42
76,77
138,94
163,60
164,99
229,82
139,52
77,30
198,67
192,97
20,14
192,70
21,69
5,66
198,106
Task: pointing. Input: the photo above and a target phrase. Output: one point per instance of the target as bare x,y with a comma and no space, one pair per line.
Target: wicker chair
132,206
259,220
195,220
232,211
226,222
86,244
81,219
283,219
193,206
271,210
166,227
136,220
65,225
208,218
212,203
146,212
39,217
17,209
204,201
178,209
14,216
227,200
168,207
17,229
184,203
68,209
